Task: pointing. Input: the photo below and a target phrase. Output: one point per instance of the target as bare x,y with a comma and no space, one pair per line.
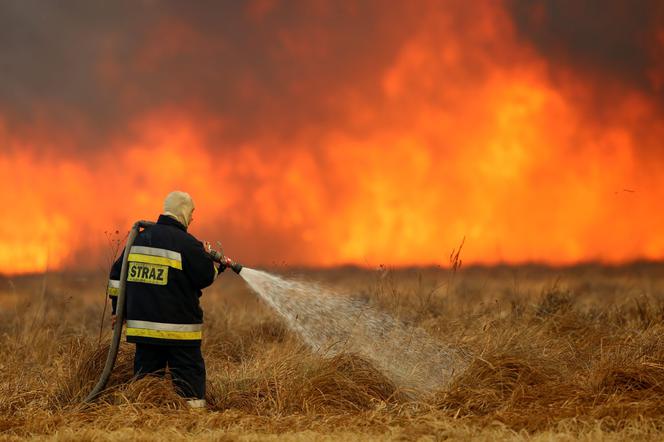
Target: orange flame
470,137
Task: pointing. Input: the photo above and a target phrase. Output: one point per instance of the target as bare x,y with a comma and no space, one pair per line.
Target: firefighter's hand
226,262
114,319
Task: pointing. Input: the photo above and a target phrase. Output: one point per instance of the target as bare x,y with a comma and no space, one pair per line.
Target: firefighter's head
180,206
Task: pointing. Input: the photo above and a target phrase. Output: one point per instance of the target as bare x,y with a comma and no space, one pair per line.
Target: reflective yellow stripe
166,326
155,251
162,334
148,259
113,287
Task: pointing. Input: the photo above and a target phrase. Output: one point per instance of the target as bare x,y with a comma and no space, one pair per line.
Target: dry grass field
557,354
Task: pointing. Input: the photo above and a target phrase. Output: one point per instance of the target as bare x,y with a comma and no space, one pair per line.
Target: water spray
331,323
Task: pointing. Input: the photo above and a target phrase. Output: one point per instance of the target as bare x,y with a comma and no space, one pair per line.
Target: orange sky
317,133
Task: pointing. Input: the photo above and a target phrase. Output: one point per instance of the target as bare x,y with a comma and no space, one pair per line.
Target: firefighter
166,270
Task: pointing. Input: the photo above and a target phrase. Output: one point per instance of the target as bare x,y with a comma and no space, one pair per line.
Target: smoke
611,40
272,67
261,67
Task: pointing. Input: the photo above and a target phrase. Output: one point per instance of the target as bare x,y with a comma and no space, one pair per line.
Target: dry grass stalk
574,360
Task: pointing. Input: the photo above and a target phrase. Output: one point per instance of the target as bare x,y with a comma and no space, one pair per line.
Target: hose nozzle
224,261
236,267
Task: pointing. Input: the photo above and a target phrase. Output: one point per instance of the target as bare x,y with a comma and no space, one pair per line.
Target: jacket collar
168,221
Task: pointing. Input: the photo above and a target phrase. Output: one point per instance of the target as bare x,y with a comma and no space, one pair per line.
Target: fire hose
120,306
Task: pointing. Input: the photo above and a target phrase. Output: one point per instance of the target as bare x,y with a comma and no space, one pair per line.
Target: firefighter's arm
219,267
199,267
113,288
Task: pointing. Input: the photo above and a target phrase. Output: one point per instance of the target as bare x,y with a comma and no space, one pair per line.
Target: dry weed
574,359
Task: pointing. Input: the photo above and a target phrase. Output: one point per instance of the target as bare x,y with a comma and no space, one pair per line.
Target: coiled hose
119,315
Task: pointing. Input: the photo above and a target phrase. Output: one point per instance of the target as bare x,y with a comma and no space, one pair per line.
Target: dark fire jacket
167,268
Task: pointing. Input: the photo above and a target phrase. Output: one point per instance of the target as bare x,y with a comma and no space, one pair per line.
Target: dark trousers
185,364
